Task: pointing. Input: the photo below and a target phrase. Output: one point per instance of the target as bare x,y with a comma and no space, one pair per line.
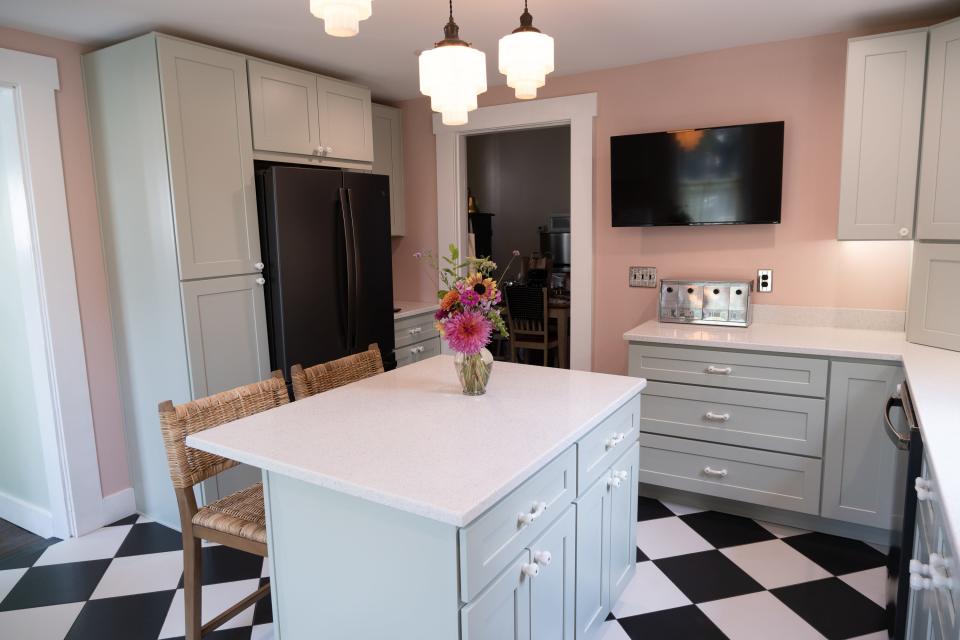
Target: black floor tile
681,623
149,537
223,564
138,617
26,556
55,584
706,576
837,555
641,556
724,530
128,520
241,633
263,610
833,608
650,509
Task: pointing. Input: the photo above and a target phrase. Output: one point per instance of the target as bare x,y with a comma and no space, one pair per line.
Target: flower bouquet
469,314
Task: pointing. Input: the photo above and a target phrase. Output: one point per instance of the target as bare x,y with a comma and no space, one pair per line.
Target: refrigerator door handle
350,247
357,279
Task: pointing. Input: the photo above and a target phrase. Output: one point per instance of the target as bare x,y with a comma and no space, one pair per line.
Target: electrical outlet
643,277
764,280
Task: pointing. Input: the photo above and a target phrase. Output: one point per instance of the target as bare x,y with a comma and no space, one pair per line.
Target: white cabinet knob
615,439
328,150
415,331
904,232
720,371
623,475
530,517
258,266
719,473
614,482
922,486
318,151
260,281
716,417
543,558
531,569
919,583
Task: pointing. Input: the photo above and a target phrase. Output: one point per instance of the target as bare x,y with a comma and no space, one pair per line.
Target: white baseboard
118,505
26,516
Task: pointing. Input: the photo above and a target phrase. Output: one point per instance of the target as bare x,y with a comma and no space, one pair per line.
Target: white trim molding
58,361
577,111
26,515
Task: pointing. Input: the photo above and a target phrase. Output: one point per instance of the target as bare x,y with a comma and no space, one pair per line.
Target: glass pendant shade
341,18
526,57
453,74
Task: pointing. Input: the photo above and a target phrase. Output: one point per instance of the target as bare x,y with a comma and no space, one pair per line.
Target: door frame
46,268
577,112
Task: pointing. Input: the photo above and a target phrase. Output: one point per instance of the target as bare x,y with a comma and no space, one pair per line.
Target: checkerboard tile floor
700,575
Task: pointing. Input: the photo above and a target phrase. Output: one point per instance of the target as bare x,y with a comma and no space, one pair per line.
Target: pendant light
341,18
453,74
526,57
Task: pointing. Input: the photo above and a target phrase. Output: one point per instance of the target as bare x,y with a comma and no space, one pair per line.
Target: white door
206,111
283,109
346,124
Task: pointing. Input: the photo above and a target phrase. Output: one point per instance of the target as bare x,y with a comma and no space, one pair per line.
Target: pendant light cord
451,10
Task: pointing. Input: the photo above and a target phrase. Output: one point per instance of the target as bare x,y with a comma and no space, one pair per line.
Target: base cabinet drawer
502,612
730,369
789,424
413,329
417,352
759,477
597,450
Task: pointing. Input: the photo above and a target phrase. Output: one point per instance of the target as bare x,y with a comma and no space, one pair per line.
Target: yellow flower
439,326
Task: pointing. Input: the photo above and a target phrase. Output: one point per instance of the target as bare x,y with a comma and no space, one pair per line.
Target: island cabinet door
502,610
593,557
552,589
623,521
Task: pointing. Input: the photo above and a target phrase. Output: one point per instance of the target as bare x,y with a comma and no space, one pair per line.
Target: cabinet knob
623,475
531,516
614,482
328,150
258,266
260,281
717,417
904,232
531,569
543,558
720,371
719,473
615,439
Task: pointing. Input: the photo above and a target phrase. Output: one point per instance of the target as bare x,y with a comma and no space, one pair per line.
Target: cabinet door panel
934,304
345,120
881,136
206,112
863,477
283,109
623,523
938,201
502,612
593,558
552,592
388,160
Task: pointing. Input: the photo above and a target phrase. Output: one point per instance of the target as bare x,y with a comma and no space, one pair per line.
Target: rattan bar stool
236,520
336,373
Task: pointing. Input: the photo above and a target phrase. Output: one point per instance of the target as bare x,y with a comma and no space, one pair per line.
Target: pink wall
87,252
798,81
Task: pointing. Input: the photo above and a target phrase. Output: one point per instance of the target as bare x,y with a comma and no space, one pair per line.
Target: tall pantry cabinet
170,127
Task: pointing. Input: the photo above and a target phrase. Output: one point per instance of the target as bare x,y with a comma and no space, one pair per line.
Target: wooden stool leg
192,587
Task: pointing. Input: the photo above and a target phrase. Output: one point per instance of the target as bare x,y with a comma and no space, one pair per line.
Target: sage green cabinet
862,470
623,522
593,557
502,611
388,160
552,590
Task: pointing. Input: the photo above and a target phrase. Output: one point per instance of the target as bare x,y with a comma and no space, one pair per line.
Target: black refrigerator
325,242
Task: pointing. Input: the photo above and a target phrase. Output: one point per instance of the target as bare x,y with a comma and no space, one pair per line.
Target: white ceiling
590,34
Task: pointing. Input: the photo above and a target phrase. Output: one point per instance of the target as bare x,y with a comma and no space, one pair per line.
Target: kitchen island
399,508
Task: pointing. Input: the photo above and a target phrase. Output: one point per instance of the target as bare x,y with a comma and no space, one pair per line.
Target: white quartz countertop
413,308
933,375
409,439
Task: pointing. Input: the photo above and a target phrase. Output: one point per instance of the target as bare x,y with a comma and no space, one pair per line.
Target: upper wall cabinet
938,204
388,160
206,115
934,304
881,136
301,113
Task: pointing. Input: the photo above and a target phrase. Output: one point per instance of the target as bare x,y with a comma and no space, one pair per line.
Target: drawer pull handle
415,331
613,482
617,478
543,558
615,439
530,517
719,473
932,575
531,569
720,371
922,487
717,417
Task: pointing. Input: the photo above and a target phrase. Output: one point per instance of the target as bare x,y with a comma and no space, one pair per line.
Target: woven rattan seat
336,373
239,514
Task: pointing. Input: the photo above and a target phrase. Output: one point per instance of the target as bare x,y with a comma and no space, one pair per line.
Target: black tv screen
721,175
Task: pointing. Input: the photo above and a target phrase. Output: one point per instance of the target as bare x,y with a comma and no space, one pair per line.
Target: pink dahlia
468,332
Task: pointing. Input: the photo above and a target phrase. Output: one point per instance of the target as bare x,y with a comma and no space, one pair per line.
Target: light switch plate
764,280
643,277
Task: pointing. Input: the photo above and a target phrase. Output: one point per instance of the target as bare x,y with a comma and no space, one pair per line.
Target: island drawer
790,424
730,369
492,541
759,477
597,450
413,329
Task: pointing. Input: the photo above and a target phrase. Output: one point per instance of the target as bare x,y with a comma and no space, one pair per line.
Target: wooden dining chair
236,520
336,373
529,324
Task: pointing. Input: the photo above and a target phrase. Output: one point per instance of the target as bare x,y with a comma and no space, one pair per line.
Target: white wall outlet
643,277
764,280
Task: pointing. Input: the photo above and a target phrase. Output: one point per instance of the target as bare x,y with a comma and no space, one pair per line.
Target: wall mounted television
719,175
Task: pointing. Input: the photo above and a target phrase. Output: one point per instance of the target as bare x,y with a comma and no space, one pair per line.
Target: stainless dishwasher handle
899,440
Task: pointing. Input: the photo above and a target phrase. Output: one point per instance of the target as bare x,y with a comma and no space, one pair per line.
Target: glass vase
473,370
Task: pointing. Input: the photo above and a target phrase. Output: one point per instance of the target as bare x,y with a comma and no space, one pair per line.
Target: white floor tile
774,563
42,623
140,574
650,590
665,537
265,572
680,509
781,530
143,520
262,632
8,579
216,599
871,583
102,543
609,631
879,635
758,616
